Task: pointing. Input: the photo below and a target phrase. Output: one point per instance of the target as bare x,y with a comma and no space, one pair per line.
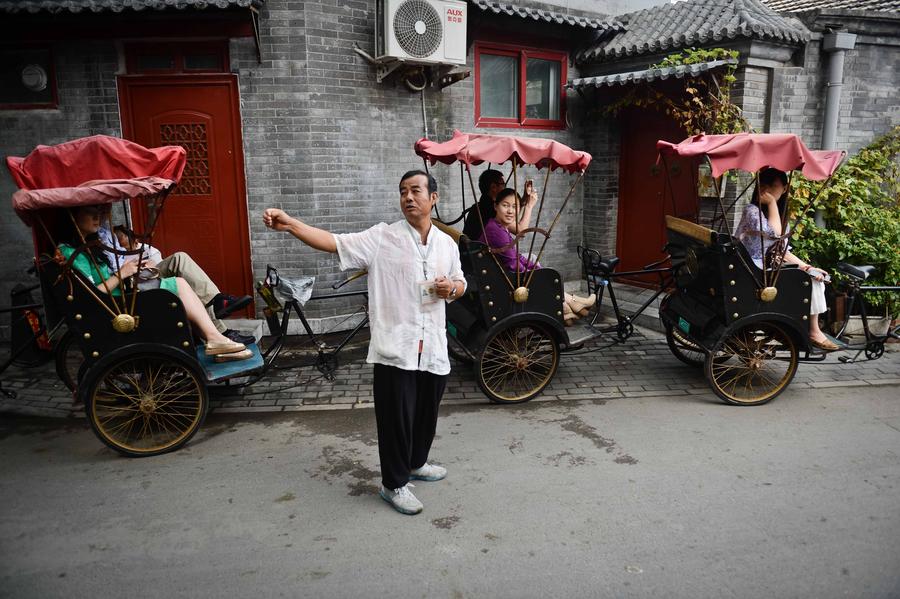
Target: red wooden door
644,199
206,215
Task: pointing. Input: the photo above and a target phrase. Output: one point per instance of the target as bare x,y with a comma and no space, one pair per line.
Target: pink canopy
754,151
92,170
472,148
72,163
87,194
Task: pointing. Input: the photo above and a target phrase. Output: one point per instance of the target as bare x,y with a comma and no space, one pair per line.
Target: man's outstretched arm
319,239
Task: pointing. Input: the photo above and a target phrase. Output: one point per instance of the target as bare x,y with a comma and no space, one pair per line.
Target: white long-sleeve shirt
398,319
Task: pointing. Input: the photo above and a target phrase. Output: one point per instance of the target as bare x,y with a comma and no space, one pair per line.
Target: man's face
415,201
497,185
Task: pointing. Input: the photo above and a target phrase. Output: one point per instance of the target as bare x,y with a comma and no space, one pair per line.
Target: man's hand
277,219
443,286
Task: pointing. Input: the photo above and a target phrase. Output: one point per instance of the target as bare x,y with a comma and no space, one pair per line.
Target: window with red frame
519,87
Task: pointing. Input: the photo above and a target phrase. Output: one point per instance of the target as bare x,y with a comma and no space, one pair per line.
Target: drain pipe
835,43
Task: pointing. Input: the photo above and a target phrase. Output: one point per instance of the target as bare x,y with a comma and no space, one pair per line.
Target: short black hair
432,182
505,193
487,177
769,175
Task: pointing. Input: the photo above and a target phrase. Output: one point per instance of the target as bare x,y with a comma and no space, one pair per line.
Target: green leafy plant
703,105
861,207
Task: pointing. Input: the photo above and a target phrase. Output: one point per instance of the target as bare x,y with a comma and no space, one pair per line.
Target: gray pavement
642,366
665,495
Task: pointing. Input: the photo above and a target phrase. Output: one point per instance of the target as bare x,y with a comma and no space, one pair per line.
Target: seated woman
499,232
85,227
768,205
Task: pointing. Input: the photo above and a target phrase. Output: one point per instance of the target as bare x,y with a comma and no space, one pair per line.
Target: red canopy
88,194
754,151
72,163
472,148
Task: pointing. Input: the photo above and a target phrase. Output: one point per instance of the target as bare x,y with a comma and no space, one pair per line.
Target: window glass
155,62
205,62
542,89
499,82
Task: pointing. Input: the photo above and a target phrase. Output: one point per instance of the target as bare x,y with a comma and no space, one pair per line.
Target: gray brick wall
869,103
321,138
85,74
327,143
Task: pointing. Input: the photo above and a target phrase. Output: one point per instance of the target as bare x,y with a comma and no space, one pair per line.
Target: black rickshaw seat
857,272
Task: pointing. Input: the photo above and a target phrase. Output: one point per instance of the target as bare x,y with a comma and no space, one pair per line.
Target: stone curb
60,414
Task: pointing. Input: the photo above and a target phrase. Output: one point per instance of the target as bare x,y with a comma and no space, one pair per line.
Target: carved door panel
206,215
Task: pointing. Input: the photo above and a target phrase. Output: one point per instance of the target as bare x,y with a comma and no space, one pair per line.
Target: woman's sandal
827,345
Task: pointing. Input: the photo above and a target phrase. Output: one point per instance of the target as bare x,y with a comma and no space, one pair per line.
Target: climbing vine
705,104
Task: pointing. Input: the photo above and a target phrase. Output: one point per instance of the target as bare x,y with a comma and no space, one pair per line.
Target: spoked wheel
752,364
69,361
517,363
456,351
146,402
682,348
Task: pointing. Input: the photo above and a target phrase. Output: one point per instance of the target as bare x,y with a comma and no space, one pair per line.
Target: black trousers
406,412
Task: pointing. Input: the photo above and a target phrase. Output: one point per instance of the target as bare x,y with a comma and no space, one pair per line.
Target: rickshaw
509,324
144,380
746,326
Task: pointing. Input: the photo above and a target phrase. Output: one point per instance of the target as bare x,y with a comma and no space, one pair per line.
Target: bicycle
872,344
57,342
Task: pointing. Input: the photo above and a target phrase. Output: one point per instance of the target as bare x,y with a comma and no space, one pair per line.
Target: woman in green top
87,223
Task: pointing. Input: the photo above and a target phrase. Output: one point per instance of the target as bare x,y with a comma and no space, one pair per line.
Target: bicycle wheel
687,351
517,363
752,365
145,400
69,360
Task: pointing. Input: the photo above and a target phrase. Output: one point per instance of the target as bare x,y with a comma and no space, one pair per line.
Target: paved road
659,496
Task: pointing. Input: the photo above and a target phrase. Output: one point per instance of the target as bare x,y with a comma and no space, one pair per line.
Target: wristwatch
452,292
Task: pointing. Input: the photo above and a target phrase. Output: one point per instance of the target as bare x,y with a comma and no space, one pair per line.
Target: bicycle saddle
857,272
610,263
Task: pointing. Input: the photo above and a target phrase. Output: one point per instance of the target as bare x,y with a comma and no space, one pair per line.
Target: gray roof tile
679,72
805,5
695,23
76,6
546,14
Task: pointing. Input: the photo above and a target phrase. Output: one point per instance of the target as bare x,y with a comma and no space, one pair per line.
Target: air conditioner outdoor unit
421,31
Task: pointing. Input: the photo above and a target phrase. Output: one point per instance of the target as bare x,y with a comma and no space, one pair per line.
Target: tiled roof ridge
695,22
539,11
649,74
76,6
887,6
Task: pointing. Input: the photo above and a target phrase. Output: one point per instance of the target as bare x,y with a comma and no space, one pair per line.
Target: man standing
413,267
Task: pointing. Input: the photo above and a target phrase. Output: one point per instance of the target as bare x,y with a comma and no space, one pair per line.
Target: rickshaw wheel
145,403
752,365
69,361
687,351
517,363
456,352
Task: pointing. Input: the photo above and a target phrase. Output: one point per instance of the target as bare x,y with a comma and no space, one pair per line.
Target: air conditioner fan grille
417,27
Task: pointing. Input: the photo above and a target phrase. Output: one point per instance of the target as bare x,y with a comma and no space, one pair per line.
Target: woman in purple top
499,232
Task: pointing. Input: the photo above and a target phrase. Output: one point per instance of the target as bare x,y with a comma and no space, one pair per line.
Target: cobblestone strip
641,367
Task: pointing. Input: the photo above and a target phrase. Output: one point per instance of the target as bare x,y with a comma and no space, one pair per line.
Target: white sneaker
402,499
428,472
